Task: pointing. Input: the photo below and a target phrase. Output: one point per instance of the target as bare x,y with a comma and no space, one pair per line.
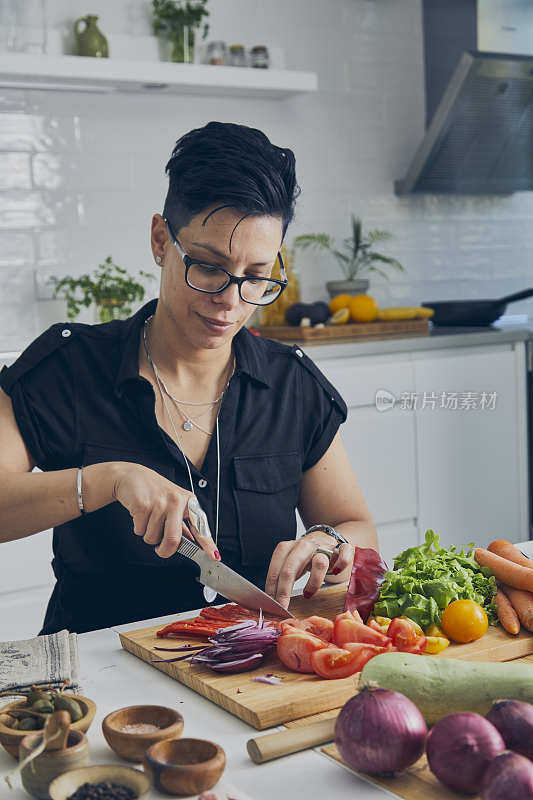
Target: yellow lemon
363,308
339,301
341,316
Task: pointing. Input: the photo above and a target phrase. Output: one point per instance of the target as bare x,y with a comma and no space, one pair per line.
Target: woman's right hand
158,508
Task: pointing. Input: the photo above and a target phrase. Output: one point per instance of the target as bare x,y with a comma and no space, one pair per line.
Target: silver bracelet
330,531
80,496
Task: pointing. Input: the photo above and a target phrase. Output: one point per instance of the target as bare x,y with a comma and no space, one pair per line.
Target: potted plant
110,288
355,258
176,21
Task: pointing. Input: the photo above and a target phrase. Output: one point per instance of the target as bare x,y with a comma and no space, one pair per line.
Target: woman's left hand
292,559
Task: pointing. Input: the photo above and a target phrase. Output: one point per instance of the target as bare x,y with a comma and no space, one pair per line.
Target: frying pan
473,312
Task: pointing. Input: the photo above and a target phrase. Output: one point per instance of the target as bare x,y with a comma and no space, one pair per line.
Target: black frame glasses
189,262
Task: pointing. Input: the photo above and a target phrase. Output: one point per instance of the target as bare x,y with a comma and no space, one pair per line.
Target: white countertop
114,678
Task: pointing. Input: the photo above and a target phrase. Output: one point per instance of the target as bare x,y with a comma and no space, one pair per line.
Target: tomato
295,649
347,629
337,662
404,637
318,626
464,621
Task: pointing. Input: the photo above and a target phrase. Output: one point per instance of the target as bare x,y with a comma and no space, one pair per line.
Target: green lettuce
425,579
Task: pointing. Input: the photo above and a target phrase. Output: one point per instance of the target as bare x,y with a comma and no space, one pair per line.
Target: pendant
187,425
209,594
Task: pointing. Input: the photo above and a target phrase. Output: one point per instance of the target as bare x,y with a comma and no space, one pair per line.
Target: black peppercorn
105,790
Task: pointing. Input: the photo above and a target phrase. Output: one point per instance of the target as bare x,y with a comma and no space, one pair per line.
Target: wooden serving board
264,705
355,330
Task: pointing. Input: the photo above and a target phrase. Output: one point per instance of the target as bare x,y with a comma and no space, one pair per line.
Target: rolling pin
282,743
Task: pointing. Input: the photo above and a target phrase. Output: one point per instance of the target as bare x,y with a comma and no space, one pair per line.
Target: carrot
503,548
522,603
506,613
504,570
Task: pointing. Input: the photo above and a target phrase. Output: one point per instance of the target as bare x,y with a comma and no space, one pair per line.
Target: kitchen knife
229,583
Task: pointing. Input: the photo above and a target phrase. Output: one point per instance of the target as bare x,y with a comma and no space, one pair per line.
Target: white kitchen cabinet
472,463
461,472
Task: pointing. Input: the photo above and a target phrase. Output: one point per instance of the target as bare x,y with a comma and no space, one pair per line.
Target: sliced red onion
272,679
380,732
459,749
514,720
241,665
508,777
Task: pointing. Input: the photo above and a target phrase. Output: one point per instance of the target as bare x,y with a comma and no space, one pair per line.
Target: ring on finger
326,551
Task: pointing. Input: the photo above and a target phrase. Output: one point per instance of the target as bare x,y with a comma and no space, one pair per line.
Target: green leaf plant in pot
355,257
111,288
177,21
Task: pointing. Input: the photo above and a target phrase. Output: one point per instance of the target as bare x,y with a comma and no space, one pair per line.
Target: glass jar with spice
216,53
259,56
237,56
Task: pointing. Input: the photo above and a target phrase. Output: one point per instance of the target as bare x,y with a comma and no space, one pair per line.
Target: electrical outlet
45,284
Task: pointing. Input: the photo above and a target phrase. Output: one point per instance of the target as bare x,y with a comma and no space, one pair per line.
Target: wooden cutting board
264,705
355,330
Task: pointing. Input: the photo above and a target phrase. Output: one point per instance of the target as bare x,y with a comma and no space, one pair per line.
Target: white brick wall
81,175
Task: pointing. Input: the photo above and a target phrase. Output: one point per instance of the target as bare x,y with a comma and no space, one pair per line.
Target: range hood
479,99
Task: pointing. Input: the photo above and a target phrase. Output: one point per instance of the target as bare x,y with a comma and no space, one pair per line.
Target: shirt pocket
109,538
266,491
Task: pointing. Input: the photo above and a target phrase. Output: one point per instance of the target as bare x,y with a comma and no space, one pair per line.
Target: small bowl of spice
132,730
106,782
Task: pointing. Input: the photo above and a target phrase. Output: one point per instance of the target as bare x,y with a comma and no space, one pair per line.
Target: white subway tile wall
81,175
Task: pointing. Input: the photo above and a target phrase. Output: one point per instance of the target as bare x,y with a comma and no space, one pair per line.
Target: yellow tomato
339,301
436,644
464,621
434,630
340,317
363,308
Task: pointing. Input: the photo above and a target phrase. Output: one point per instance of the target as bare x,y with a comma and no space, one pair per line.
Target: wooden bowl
11,739
131,745
39,773
64,785
184,766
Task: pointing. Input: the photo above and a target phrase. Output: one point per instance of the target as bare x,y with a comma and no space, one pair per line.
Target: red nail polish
335,571
217,555
307,594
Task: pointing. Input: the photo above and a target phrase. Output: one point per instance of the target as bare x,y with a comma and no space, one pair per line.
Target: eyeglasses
212,279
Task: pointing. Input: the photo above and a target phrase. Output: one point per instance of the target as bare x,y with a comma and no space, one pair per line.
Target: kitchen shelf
77,73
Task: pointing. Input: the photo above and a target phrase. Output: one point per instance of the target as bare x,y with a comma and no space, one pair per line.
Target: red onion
459,749
509,777
380,732
235,649
514,720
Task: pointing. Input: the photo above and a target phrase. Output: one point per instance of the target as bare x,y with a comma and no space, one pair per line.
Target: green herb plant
171,18
427,578
356,255
111,288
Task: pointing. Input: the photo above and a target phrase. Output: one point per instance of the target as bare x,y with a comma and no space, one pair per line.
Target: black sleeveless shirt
78,399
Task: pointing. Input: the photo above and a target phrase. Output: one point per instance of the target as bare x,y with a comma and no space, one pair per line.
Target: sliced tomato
295,649
348,629
318,626
337,662
404,637
374,624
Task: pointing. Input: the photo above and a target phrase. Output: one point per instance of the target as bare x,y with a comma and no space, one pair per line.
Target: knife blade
228,583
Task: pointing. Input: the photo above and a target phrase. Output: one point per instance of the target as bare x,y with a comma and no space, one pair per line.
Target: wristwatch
330,531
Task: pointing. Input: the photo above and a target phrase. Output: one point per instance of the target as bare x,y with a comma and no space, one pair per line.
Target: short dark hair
233,165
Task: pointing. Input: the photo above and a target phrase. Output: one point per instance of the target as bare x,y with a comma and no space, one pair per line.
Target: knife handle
282,743
188,548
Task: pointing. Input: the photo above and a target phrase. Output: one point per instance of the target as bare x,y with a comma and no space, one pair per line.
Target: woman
131,419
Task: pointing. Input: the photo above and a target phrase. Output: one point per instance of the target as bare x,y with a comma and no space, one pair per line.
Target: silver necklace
209,594
189,422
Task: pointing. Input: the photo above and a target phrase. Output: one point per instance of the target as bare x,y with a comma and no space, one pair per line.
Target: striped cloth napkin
41,661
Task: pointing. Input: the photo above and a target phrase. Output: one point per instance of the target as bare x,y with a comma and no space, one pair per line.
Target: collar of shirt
250,353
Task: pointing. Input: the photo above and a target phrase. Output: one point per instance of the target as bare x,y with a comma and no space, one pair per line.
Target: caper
28,724
64,703
43,706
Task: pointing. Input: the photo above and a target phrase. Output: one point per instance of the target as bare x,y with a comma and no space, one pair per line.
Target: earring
158,259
